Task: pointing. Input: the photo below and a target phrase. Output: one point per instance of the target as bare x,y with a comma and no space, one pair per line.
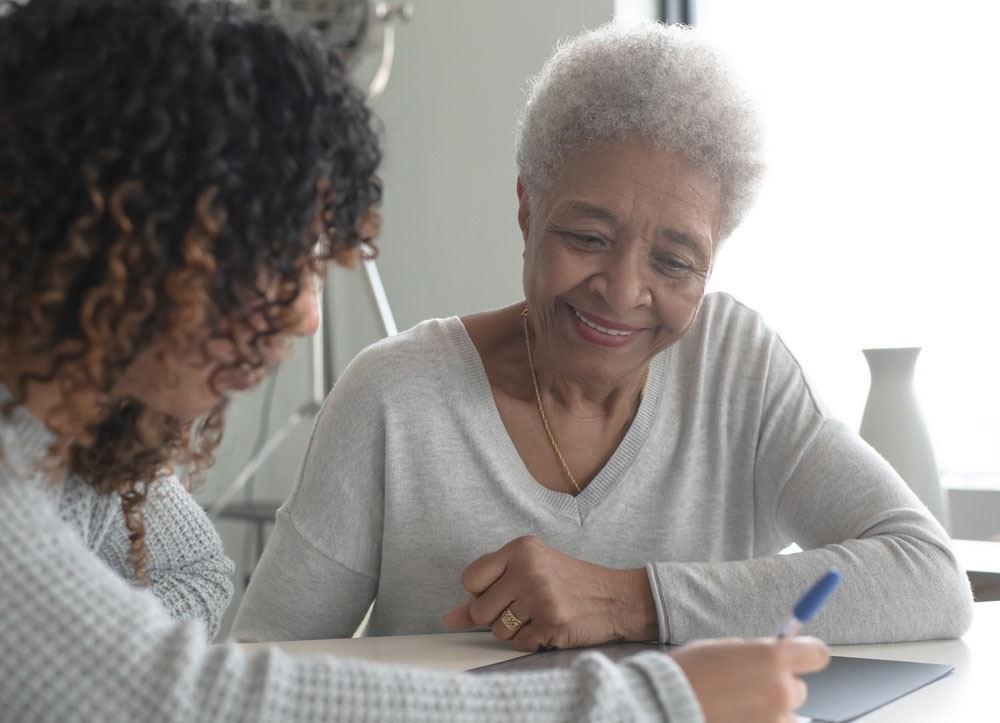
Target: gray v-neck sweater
80,643
411,475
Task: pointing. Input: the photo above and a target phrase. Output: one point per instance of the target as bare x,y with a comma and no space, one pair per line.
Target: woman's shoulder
421,353
720,306
730,340
725,322
426,341
728,337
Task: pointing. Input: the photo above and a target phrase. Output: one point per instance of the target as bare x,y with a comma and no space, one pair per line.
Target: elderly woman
620,455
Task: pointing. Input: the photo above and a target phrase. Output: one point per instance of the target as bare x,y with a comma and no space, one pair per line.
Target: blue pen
811,602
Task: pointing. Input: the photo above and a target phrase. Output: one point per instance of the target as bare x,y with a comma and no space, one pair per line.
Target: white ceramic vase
893,425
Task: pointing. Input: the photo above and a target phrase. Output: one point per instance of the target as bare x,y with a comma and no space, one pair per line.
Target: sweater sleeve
319,572
80,643
819,485
188,570
298,593
846,509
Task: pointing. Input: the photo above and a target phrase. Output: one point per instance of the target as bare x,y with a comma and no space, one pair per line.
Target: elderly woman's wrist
638,609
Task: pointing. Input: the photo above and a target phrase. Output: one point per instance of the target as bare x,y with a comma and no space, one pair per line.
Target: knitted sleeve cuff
661,612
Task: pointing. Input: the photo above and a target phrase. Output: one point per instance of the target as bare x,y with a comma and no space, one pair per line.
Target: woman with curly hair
173,176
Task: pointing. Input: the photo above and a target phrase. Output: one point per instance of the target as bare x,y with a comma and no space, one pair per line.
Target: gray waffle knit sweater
411,476
81,643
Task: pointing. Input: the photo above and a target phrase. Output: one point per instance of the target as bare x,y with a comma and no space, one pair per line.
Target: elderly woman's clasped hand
538,597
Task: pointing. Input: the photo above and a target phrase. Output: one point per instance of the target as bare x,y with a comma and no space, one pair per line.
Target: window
876,224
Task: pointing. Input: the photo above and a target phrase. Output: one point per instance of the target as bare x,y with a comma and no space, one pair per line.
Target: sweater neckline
581,506
25,440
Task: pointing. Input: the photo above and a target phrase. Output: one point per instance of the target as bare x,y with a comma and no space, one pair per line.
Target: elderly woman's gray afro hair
664,84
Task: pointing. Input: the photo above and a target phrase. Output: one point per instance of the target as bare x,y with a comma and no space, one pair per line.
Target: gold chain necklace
541,409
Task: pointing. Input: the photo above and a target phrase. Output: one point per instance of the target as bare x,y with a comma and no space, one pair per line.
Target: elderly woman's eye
586,238
672,264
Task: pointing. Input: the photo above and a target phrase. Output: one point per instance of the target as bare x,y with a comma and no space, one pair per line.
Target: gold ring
509,620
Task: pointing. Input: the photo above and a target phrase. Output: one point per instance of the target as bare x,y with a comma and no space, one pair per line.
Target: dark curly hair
156,158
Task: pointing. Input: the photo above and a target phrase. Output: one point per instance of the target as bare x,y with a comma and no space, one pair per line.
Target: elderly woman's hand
537,597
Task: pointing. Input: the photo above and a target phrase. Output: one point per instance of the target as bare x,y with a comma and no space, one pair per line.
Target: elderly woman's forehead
633,184
636,159
663,82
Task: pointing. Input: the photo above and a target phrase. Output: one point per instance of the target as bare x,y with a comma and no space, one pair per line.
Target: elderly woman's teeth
603,330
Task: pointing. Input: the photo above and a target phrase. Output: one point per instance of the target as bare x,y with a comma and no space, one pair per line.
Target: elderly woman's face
617,254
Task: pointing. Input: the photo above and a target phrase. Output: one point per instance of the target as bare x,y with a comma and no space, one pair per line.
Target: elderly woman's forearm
894,589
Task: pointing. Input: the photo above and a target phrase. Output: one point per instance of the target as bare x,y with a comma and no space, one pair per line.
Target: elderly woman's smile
619,334
618,250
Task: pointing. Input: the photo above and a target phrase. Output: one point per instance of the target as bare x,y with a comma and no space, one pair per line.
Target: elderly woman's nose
622,283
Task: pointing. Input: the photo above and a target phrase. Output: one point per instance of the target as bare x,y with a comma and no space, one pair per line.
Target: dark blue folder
845,690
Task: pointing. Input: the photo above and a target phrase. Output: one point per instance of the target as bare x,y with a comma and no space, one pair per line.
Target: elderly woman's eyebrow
592,210
698,246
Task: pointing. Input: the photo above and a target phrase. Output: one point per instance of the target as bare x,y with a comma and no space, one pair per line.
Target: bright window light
877,222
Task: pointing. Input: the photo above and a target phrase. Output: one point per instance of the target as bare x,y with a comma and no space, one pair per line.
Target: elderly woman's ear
523,210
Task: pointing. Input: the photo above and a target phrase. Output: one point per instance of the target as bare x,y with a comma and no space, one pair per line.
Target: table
968,694
971,693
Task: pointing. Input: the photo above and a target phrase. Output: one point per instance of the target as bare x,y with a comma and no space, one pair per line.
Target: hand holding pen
737,681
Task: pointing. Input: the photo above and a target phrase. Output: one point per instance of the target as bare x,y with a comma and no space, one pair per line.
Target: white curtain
877,223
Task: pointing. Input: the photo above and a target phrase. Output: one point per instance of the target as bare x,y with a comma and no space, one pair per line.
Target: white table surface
971,693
